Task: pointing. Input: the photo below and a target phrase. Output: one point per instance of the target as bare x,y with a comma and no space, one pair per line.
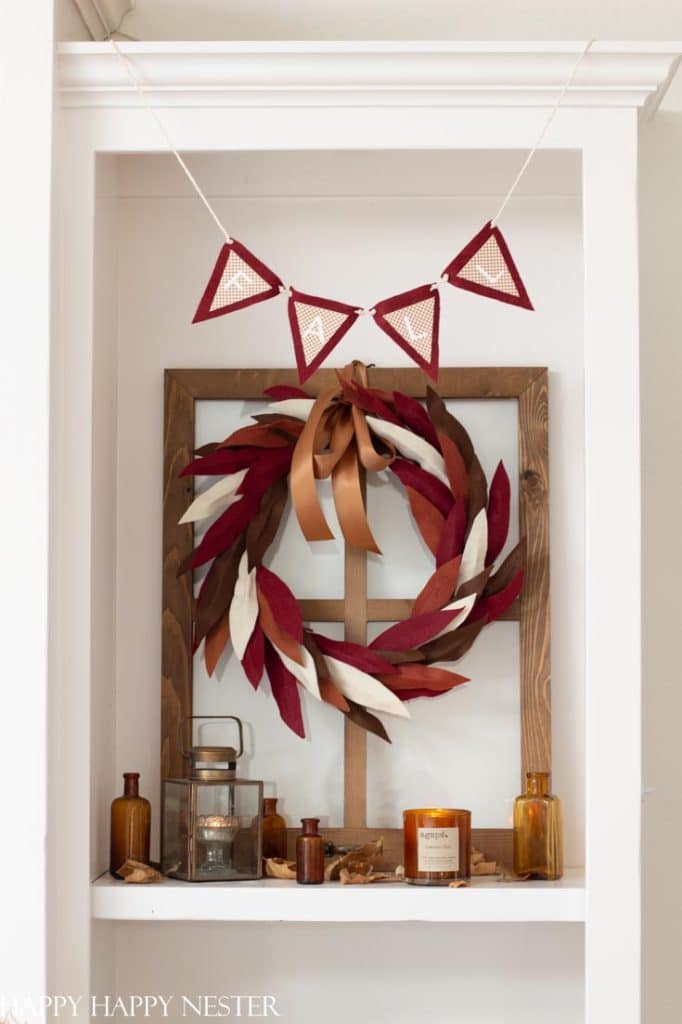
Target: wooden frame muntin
527,385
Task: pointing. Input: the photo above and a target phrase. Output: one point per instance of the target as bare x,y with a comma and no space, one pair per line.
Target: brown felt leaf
453,645
505,574
478,492
402,657
475,585
277,636
361,716
217,590
438,589
316,654
206,449
429,520
446,423
262,530
454,466
330,694
217,639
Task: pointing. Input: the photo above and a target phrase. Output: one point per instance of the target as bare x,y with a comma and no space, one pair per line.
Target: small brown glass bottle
538,830
310,854
130,825
274,830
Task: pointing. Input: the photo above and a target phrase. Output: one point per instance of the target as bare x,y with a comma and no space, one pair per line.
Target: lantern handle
205,718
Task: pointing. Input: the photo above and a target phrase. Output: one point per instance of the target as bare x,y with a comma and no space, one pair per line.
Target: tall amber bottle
310,854
130,825
274,830
538,830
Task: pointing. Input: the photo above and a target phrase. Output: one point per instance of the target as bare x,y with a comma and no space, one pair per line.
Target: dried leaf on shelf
348,877
277,867
359,861
485,867
460,883
136,873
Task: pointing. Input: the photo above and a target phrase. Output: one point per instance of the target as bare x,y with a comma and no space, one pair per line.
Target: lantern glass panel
227,839
176,828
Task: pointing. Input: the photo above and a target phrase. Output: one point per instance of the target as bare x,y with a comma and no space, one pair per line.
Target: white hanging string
545,127
141,92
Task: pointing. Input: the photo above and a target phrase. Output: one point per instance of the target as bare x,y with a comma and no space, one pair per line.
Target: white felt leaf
244,608
299,408
364,689
412,446
463,606
473,556
215,499
305,673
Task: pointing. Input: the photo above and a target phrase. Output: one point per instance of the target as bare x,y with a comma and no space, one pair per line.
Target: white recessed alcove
356,171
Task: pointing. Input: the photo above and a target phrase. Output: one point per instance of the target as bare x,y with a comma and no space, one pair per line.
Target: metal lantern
212,821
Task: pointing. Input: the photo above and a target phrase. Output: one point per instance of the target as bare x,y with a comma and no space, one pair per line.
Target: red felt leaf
422,677
284,690
272,465
496,604
413,632
222,461
223,533
498,513
369,401
280,392
452,537
353,654
258,435
429,486
454,466
254,657
438,589
282,602
428,519
415,416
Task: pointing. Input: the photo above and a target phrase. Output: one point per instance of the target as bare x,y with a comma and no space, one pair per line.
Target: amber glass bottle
538,830
274,830
130,825
310,854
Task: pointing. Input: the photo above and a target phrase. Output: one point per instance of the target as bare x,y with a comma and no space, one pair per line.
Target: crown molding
449,74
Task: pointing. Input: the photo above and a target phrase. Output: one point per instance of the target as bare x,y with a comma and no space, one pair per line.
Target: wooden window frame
529,387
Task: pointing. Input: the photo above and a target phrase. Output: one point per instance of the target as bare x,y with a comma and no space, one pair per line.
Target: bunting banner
317,326
412,320
485,266
239,279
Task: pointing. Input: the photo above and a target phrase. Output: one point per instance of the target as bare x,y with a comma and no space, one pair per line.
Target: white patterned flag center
411,319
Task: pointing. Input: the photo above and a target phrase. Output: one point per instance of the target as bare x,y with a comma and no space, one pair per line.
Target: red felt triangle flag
412,320
239,279
317,326
485,266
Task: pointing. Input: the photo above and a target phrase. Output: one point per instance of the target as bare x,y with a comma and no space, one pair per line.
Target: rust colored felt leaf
363,718
438,589
254,657
453,645
454,466
499,502
330,694
415,418
284,690
423,677
352,654
514,561
282,602
429,521
217,640
425,483
446,424
413,632
277,636
262,530
452,537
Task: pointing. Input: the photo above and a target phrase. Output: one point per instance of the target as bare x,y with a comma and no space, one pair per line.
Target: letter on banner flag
317,326
239,279
411,319
485,266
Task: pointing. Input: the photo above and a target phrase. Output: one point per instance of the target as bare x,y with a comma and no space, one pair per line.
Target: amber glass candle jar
437,845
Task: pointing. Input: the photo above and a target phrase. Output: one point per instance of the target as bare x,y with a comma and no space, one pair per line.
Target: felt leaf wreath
344,430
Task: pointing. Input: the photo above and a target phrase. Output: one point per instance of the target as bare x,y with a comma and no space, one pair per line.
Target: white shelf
483,901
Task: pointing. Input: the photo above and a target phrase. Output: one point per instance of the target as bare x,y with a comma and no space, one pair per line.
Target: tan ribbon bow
335,442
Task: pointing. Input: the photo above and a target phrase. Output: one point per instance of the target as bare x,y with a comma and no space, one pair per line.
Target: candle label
438,849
